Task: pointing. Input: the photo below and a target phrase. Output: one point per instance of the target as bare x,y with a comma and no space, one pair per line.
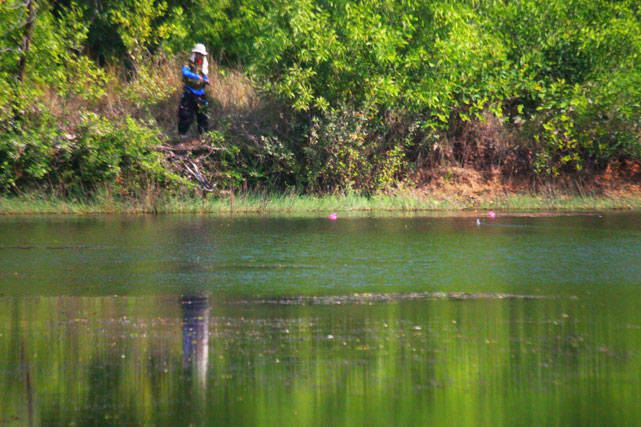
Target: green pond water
198,320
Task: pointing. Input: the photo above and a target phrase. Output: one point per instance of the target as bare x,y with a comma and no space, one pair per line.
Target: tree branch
26,40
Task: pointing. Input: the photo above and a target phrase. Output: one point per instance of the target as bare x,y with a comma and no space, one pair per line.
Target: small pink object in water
491,214
333,217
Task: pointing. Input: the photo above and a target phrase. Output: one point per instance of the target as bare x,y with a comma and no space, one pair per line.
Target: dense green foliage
351,95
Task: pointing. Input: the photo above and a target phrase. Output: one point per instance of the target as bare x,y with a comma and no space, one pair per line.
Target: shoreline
408,203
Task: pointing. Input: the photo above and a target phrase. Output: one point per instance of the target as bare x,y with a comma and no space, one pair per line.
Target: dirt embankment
618,179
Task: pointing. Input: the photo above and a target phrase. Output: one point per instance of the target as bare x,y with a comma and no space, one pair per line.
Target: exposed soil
618,179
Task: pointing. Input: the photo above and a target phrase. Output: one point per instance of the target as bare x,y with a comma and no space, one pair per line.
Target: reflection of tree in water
195,311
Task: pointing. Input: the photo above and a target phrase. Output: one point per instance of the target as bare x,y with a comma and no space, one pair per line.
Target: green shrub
262,158
344,153
99,152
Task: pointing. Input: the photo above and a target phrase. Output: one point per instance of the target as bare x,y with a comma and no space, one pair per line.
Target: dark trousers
191,105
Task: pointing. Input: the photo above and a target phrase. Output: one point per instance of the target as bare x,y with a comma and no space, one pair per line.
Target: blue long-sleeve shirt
191,75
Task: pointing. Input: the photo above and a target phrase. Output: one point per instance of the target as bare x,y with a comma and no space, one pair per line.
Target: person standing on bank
195,78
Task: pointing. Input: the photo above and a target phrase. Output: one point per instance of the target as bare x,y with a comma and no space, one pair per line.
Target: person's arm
189,74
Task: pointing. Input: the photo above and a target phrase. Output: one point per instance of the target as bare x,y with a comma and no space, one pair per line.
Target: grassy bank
251,203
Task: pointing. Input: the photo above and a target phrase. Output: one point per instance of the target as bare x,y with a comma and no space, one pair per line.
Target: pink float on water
333,217
491,214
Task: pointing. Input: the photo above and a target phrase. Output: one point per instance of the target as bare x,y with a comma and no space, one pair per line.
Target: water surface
298,321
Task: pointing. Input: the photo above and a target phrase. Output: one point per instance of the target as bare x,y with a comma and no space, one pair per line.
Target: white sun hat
200,48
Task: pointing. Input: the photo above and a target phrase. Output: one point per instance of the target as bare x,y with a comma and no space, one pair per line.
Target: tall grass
153,93
157,202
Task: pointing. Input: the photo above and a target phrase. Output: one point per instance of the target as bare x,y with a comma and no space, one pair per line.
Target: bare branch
26,40
195,172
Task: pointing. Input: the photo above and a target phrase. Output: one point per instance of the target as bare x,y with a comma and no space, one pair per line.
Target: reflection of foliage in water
121,361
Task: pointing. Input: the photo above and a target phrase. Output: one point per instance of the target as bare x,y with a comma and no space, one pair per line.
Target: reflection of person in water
196,334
